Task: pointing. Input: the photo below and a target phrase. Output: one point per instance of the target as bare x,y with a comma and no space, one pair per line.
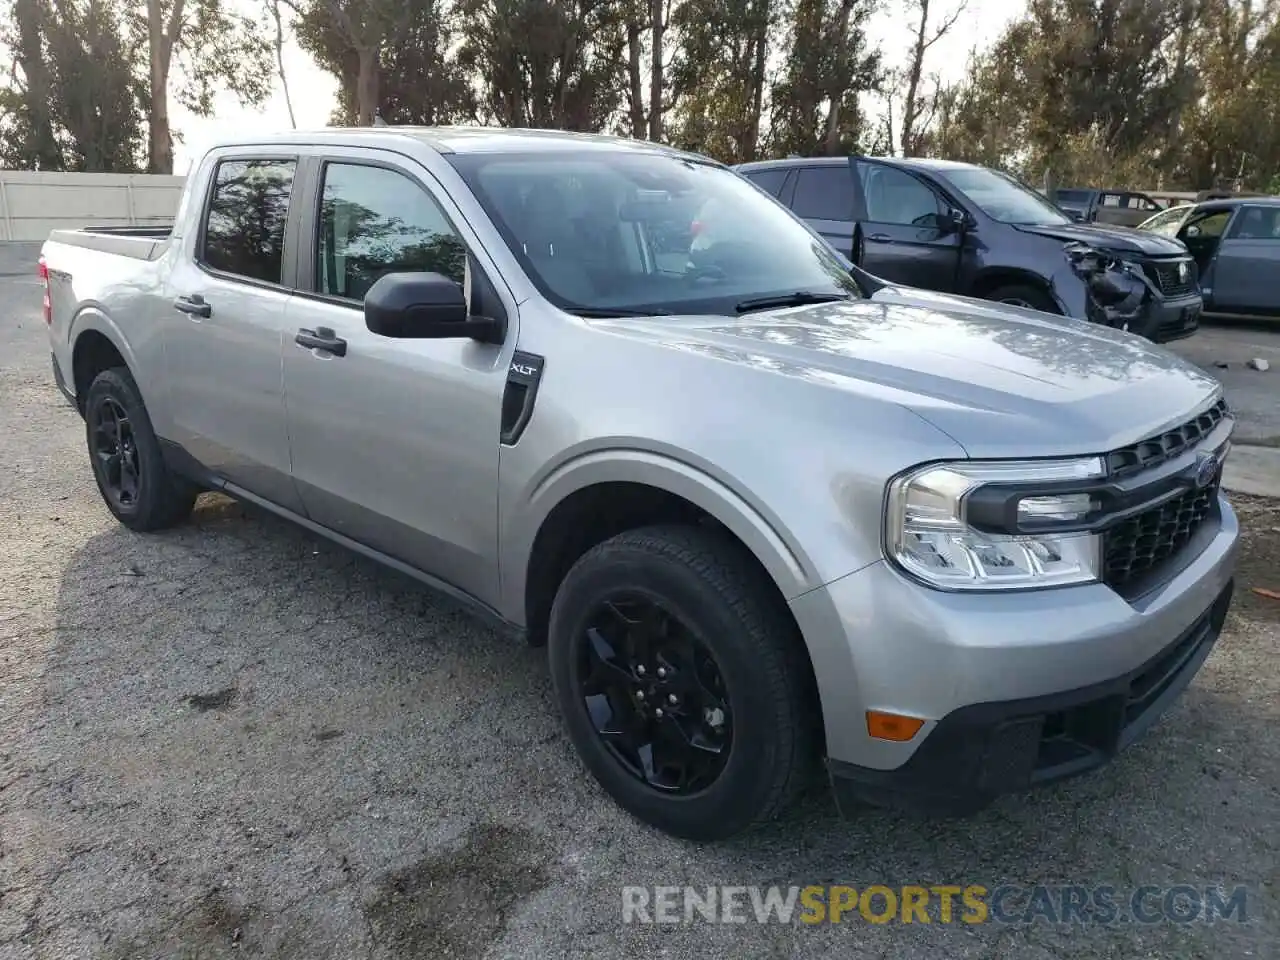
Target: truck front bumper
1016,690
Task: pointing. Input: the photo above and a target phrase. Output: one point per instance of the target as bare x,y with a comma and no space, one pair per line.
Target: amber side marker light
892,726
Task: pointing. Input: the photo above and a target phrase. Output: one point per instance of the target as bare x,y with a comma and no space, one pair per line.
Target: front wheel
1025,296
682,682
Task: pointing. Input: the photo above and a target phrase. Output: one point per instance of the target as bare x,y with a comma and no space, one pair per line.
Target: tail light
695,228
48,303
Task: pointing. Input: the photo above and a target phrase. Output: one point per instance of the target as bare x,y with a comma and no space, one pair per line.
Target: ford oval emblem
1184,271
1206,470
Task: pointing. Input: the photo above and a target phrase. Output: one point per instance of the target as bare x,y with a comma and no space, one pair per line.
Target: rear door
1246,271
905,231
825,196
224,306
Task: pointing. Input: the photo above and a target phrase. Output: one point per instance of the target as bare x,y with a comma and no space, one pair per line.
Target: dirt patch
218,700
456,904
1259,563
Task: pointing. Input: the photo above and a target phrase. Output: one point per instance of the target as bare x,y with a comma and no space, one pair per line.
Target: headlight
928,534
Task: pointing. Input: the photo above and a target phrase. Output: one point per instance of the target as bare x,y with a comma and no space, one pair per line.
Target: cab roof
465,140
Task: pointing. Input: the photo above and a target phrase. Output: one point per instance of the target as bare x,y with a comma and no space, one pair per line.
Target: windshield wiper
801,298
608,313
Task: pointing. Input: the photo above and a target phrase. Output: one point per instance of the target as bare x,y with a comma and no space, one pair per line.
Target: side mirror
422,306
1193,231
954,221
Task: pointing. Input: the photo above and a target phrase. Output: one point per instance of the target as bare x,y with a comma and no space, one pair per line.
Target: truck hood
1001,381
1109,237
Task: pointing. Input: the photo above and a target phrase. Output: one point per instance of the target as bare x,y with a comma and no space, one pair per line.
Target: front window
616,232
1002,198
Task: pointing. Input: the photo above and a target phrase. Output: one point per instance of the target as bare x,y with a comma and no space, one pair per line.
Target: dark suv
960,228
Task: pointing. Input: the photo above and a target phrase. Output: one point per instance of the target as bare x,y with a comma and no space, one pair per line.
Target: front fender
750,521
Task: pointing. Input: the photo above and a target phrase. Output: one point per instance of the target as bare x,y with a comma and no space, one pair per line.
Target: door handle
195,305
321,338
879,238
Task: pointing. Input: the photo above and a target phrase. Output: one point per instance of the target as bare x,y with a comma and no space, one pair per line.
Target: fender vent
522,390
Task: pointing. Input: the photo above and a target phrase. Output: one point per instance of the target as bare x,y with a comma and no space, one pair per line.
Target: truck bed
136,243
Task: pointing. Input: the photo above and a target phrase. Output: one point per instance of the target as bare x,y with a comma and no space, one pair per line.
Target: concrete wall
32,204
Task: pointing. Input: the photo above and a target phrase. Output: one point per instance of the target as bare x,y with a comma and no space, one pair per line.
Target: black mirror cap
421,306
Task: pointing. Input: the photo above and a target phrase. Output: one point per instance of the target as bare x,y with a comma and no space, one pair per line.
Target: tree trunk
657,30
367,86
836,93
760,55
635,81
910,109
274,6
160,41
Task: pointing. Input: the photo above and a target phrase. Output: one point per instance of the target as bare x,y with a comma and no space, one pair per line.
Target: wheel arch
97,345
600,494
993,278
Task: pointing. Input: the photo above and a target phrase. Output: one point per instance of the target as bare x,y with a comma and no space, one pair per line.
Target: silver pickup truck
767,513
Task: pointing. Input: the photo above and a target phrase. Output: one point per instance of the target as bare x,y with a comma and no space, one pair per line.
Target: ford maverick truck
769,516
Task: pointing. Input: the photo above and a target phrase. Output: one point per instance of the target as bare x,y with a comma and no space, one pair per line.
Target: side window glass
375,221
899,198
824,193
1255,223
770,181
248,210
1209,225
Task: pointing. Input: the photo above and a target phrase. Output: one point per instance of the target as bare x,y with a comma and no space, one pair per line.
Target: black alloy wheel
655,695
683,682
115,453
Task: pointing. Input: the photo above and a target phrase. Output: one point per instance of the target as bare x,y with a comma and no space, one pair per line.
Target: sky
314,91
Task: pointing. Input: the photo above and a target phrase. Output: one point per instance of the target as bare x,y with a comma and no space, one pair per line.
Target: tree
391,59
277,20
213,48
916,113
816,107
556,64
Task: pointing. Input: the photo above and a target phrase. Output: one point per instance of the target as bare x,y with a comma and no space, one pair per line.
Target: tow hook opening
1118,291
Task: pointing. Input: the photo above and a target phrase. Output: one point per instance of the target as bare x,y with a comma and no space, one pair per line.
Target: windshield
1167,223
618,232
1002,198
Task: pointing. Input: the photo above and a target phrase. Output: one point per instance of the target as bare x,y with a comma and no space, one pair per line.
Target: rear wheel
136,484
1021,295
682,683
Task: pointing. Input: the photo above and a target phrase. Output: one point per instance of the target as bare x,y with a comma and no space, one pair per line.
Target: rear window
824,193
770,181
248,210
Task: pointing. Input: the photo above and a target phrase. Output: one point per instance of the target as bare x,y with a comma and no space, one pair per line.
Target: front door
222,321
906,235
394,441
1246,270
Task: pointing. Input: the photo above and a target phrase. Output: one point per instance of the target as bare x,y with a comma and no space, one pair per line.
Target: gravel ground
236,740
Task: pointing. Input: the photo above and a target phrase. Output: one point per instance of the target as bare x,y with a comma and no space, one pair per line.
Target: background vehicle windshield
644,232
1002,198
1166,223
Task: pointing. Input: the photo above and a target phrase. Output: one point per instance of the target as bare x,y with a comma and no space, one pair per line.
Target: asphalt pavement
236,740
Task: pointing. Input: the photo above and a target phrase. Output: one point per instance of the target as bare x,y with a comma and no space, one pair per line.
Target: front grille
1165,275
1139,544
1156,450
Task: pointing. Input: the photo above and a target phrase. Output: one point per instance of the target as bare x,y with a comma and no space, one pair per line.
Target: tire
156,498
702,582
1025,296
